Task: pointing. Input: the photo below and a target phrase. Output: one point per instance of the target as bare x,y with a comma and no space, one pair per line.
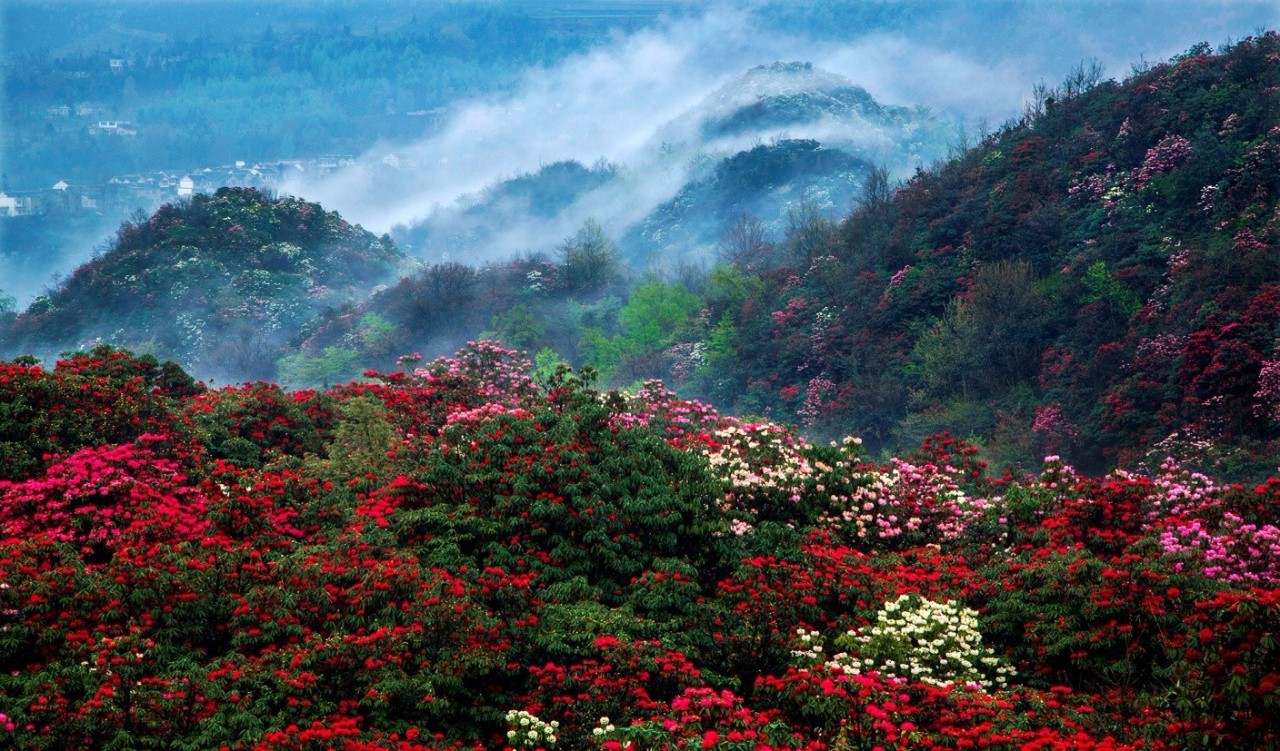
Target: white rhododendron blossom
937,643
530,732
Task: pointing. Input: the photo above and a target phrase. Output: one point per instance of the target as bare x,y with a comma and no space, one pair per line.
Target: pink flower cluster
492,369
1166,156
795,307
654,405
1268,394
1237,552
909,498
816,395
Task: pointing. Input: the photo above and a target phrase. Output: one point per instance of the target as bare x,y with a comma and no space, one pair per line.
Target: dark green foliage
104,396
564,493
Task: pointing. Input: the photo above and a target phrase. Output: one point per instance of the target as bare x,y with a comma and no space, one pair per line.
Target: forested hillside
221,282
1098,280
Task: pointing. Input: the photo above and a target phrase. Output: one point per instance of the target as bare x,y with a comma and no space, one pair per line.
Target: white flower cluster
937,643
758,460
527,731
811,647
604,727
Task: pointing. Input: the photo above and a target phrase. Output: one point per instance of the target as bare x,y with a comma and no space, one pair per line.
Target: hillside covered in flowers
481,554
1097,279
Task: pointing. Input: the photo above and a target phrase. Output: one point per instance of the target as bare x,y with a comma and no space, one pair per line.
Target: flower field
478,555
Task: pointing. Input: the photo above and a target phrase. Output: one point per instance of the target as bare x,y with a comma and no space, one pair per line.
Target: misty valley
639,374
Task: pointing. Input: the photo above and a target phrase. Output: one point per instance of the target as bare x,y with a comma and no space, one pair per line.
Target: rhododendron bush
469,556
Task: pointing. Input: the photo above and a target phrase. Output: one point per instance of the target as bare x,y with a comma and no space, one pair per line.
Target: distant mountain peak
791,98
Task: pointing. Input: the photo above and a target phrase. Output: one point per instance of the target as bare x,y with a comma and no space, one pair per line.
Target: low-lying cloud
970,64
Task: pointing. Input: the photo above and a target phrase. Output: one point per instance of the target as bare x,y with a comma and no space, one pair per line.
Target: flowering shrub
396,564
89,399
762,466
936,643
1238,552
1165,156
100,498
908,503
528,731
704,719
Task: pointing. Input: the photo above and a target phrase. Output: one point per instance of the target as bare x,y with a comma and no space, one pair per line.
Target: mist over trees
641,374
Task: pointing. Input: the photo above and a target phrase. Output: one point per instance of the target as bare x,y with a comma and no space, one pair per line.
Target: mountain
480,223
773,181
763,143
784,94
218,282
797,100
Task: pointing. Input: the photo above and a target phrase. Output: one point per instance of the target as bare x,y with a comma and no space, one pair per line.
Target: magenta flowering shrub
1166,156
1202,525
1235,551
98,499
684,422
489,370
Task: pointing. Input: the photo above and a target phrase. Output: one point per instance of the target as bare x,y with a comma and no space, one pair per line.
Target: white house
112,127
16,205
186,186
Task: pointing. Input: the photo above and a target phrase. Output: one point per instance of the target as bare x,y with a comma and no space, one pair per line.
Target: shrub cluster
438,559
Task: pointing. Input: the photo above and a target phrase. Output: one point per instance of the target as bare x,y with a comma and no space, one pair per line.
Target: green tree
334,365
988,340
519,327
600,352
362,439
377,334
653,315
1102,287
590,261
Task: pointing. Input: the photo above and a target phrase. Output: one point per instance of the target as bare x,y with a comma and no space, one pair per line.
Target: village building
17,204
